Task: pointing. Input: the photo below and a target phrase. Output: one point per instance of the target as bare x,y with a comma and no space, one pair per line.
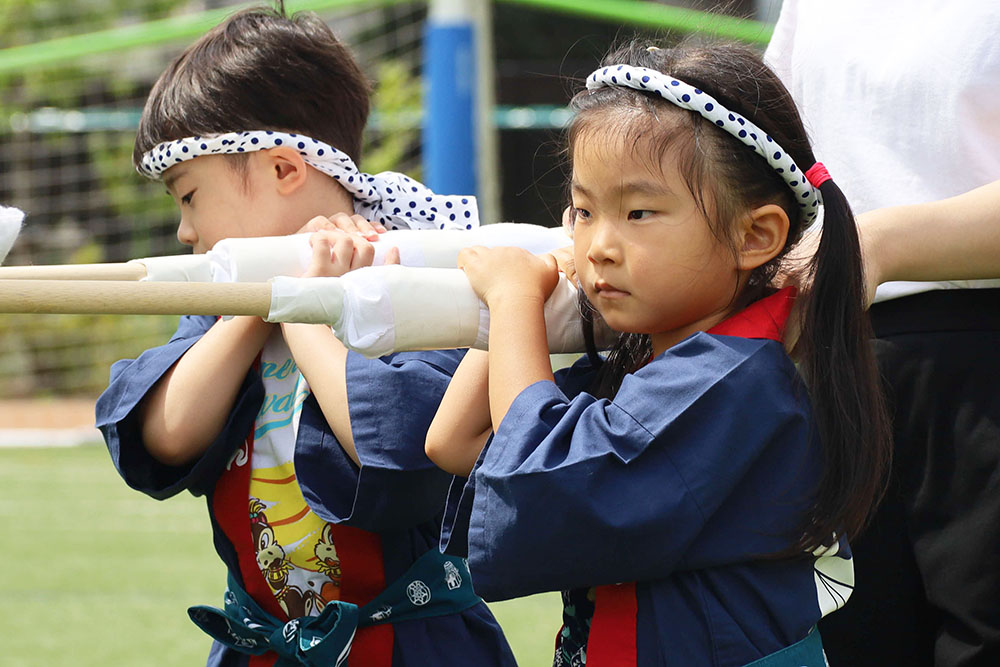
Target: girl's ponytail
837,360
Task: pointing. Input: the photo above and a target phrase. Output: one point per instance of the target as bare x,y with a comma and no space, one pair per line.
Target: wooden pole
134,298
117,271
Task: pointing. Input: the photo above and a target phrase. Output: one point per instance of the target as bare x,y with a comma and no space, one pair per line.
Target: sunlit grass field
93,573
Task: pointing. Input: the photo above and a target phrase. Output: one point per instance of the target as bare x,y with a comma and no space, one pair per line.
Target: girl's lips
608,290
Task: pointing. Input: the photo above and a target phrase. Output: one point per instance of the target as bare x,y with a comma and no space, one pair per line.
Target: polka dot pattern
393,199
693,99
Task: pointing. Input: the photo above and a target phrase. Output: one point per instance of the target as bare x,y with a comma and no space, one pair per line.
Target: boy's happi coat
370,523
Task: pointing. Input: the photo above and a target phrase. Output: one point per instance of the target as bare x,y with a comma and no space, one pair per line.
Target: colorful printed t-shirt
294,547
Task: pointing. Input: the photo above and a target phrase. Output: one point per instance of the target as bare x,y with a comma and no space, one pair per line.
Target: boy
310,458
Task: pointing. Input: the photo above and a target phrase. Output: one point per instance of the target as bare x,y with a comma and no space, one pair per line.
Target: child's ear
287,169
763,235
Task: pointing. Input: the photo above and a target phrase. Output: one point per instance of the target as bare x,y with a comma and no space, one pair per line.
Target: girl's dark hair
260,70
834,349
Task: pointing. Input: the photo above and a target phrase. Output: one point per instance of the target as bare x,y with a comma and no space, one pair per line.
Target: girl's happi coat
655,512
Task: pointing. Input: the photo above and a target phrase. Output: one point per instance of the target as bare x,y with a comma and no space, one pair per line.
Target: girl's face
645,254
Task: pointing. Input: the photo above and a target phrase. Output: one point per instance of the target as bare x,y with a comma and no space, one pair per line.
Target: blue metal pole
449,130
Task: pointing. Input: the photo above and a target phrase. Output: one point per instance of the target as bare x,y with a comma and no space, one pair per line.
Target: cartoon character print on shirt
276,567
328,563
270,556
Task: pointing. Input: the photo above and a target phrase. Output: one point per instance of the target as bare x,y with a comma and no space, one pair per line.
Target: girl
691,492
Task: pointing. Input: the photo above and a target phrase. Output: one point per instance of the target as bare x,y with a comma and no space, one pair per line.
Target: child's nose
602,247
185,233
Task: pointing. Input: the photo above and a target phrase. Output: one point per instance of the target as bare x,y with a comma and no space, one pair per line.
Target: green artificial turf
93,573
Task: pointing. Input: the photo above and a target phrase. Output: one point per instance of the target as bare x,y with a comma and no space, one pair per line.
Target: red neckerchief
765,318
612,638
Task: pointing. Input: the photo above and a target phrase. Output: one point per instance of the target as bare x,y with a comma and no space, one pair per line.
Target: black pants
928,568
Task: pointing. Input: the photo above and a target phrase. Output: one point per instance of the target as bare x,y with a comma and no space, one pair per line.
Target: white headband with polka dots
393,199
689,97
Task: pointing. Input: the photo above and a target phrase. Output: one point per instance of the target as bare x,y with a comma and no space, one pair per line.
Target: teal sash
435,585
806,652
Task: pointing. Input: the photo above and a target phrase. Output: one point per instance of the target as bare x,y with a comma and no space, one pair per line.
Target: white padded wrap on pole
378,310
177,268
396,308
260,259
563,327
10,226
434,309
382,309
255,260
307,300
440,248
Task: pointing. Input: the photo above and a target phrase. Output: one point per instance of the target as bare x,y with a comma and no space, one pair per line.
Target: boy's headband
391,198
689,97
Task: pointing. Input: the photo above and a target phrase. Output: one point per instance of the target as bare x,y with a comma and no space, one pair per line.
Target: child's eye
639,214
580,215
186,199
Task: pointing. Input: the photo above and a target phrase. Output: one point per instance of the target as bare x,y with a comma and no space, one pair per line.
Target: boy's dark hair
834,349
260,70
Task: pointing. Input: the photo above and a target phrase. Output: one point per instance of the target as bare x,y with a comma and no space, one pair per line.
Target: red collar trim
761,319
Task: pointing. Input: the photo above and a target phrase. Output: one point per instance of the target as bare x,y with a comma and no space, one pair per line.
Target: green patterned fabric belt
435,585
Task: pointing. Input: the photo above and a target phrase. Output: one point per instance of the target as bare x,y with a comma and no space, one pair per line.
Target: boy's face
218,202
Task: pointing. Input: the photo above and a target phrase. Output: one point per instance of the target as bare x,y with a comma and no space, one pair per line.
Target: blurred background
93,573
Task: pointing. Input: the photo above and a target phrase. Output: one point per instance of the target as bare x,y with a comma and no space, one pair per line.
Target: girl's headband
394,200
685,96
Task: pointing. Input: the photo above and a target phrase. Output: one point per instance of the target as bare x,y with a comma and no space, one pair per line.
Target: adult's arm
949,239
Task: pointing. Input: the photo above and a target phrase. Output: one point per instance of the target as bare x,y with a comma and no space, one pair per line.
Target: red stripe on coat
360,554
612,641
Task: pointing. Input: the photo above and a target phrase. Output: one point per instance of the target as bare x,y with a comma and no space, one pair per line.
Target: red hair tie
817,175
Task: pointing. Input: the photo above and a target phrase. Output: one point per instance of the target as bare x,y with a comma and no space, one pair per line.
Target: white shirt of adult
900,97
